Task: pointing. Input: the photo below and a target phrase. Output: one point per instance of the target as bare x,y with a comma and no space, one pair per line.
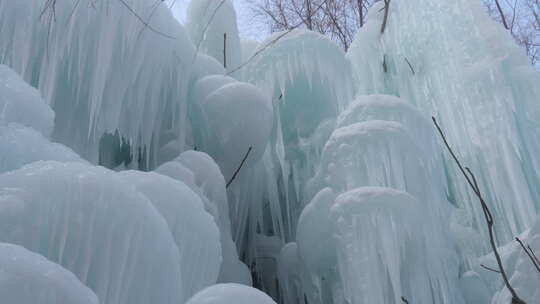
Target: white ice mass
147,161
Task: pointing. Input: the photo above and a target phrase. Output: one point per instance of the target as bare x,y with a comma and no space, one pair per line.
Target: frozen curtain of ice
287,165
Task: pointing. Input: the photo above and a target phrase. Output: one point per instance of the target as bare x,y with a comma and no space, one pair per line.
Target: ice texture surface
89,221
194,231
20,145
29,278
452,61
101,69
212,27
20,103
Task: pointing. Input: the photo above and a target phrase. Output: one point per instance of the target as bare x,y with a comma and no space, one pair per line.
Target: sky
248,26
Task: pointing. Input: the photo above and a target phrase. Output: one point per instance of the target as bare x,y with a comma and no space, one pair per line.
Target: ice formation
193,229
463,78
101,69
29,278
199,172
212,27
238,117
519,267
382,249
474,288
312,174
22,104
230,293
20,146
290,275
315,234
88,220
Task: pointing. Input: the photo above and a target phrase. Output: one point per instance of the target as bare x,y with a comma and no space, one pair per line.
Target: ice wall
103,67
450,60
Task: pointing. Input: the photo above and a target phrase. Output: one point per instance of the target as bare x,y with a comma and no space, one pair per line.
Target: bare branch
531,256
225,50
471,180
144,22
274,41
239,168
489,268
503,18
410,65
386,10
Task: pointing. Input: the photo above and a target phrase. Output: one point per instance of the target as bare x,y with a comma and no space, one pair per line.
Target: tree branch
502,14
239,168
533,260
489,268
471,180
386,10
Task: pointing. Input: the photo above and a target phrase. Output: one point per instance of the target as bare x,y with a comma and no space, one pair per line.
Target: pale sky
248,27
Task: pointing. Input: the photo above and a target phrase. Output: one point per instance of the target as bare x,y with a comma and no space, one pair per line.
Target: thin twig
154,9
225,50
212,16
471,180
410,65
528,254
502,14
144,22
239,168
489,268
385,20
274,41
534,255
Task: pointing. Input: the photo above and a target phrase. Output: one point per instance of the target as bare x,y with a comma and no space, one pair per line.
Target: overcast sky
249,28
